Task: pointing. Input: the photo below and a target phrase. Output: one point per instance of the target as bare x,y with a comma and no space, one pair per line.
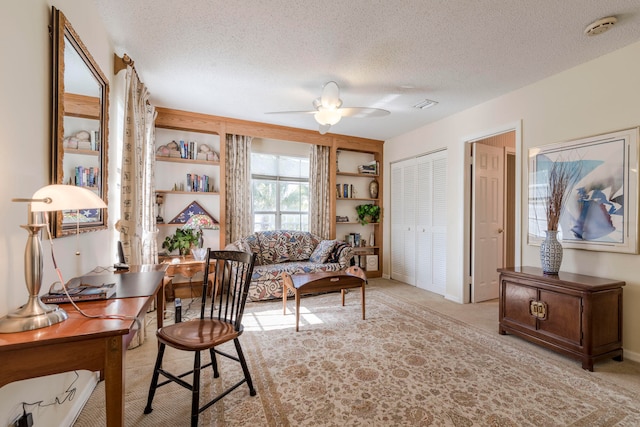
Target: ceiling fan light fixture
427,103
327,116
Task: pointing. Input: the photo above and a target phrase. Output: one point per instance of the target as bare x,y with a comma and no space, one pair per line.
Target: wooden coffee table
311,283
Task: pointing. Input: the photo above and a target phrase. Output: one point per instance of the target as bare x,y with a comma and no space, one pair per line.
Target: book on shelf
345,191
188,149
360,261
198,183
86,176
353,239
370,168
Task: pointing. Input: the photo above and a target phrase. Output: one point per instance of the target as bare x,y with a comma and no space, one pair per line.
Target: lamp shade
60,197
327,116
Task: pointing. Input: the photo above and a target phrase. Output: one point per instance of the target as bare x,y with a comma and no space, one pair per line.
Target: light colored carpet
406,365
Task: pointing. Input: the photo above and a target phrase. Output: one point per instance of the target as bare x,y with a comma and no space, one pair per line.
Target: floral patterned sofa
290,251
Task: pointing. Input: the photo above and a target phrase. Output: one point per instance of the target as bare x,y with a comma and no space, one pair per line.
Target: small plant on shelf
182,240
368,213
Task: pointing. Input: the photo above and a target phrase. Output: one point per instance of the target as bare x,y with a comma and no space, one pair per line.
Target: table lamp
35,314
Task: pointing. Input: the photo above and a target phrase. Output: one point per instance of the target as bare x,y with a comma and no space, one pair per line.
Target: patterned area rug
404,366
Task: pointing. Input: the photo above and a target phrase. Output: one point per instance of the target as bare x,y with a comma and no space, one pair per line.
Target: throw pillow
322,251
337,251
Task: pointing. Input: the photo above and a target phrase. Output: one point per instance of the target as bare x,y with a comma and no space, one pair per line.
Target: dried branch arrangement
562,177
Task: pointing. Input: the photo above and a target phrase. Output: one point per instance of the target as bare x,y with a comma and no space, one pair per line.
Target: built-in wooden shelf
181,160
367,175
202,193
83,152
165,224
356,222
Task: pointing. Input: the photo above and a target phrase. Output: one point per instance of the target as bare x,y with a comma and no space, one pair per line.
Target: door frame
466,244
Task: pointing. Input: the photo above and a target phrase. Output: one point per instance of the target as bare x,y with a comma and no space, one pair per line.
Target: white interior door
487,221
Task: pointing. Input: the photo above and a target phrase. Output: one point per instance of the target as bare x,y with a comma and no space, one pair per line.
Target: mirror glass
80,126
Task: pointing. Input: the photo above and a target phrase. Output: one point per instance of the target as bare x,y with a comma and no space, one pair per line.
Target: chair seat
197,334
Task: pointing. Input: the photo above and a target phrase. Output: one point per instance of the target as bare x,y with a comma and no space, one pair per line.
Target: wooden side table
186,267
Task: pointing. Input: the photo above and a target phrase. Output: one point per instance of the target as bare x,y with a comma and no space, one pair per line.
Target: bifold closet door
403,217
431,222
418,221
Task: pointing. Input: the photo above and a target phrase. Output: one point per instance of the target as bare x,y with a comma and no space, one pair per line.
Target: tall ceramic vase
551,253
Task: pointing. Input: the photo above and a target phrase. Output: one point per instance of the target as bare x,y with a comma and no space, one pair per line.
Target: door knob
500,230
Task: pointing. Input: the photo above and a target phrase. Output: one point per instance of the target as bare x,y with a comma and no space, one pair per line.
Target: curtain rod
121,63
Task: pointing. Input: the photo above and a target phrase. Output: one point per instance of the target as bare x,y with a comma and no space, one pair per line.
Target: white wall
25,109
597,97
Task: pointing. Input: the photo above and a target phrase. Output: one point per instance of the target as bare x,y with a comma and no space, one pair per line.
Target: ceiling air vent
425,104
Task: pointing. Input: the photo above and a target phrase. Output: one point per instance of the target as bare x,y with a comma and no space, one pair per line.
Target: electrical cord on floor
26,419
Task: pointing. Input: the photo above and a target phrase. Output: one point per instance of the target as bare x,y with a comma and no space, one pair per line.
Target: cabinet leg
588,365
618,358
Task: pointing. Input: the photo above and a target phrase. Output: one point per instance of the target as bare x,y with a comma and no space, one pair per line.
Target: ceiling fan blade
330,97
291,112
362,112
324,129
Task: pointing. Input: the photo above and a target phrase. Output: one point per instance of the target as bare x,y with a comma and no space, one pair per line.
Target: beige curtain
319,191
238,221
137,224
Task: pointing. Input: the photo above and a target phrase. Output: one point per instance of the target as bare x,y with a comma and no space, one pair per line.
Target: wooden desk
83,343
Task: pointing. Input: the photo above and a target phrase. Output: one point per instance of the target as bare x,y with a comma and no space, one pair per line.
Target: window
280,192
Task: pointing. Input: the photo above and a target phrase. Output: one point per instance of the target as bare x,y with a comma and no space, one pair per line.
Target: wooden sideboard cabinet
576,315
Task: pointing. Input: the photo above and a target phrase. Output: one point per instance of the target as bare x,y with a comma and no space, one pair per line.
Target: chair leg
195,393
245,368
154,379
214,363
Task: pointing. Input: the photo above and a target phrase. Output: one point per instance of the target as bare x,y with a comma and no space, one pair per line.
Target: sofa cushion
286,245
321,252
266,281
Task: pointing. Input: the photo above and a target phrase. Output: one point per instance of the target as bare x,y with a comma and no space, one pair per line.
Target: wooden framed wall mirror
80,119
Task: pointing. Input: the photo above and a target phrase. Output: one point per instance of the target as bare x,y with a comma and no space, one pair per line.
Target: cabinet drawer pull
538,309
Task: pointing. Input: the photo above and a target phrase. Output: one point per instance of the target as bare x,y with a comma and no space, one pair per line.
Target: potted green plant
368,213
182,240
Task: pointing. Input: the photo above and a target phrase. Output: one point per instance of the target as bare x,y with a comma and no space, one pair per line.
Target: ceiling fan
328,108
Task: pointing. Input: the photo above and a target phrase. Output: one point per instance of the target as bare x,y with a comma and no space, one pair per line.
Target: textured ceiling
244,58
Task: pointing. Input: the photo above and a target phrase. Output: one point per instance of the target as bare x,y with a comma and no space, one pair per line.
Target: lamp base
33,315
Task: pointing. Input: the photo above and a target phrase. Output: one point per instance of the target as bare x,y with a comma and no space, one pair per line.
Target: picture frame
601,210
194,211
